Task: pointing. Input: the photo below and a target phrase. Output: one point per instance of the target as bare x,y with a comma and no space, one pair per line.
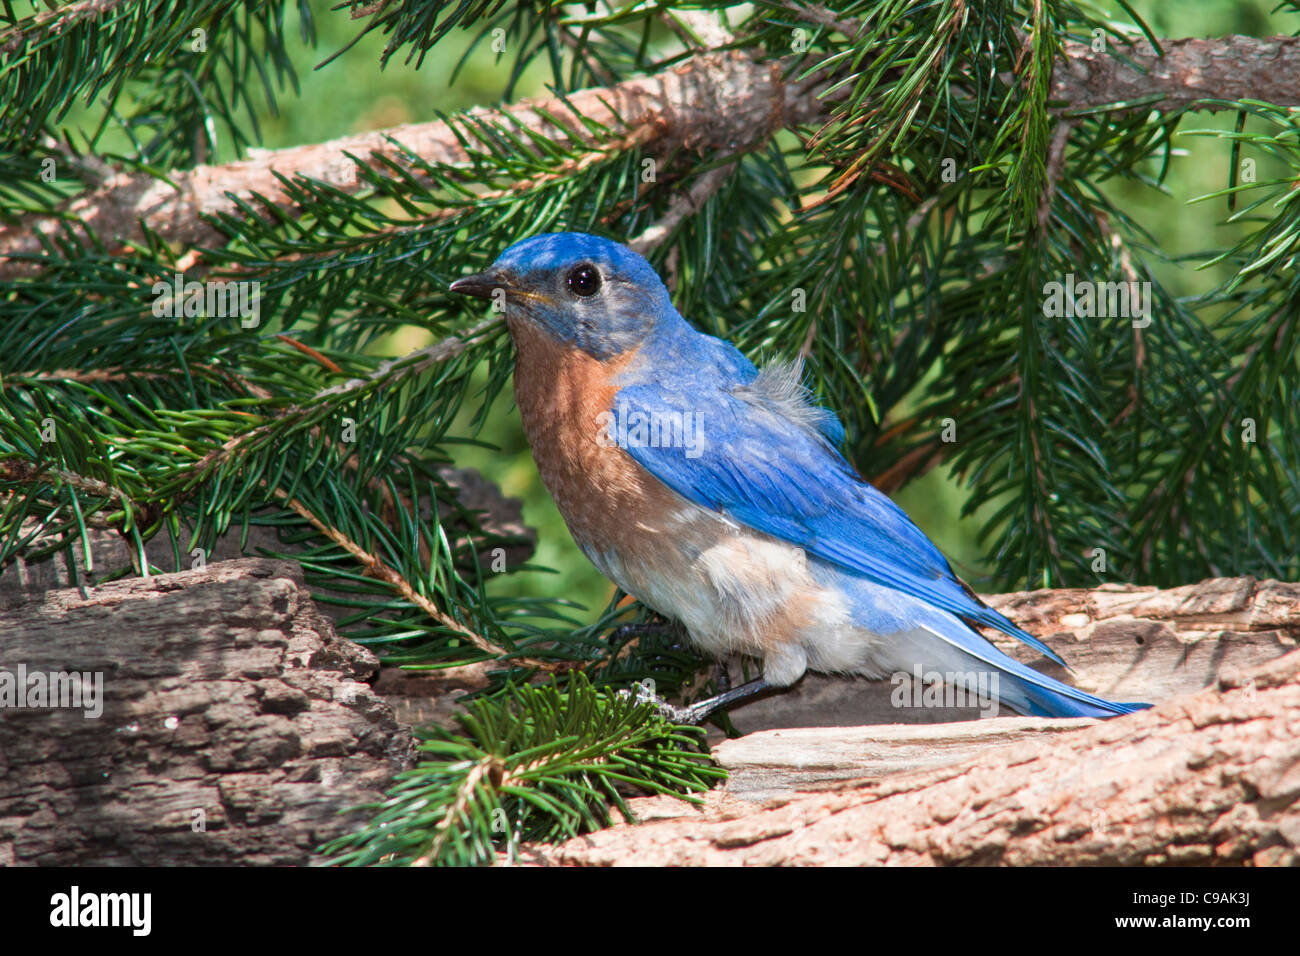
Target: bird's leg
700,710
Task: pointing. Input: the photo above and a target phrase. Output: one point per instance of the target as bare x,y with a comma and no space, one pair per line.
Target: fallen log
1207,778
235,725
219,719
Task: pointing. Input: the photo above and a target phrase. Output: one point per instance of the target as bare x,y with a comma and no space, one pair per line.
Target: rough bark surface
1192,70
229,699
1210,778
835,771
236,725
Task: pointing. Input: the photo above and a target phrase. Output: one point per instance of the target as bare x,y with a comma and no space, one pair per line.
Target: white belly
737,590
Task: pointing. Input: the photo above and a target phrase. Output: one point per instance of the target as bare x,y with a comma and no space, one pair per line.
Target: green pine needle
540,763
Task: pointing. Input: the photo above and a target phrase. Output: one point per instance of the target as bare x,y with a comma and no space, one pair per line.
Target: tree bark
1192,71
235,725
1210,778
836,772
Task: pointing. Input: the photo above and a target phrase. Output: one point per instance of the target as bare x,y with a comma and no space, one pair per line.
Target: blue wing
773,466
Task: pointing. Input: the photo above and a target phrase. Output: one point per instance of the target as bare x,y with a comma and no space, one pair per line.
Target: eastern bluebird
714,492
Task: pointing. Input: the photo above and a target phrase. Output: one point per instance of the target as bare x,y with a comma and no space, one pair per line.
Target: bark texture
236,725
1210,778
1191,71
835,771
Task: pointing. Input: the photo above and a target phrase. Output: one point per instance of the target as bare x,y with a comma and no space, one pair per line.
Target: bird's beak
480,285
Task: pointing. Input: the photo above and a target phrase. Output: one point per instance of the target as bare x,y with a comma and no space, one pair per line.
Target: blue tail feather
1030,692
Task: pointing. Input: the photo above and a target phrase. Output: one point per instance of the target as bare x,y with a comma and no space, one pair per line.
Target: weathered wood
235,724
777,764
226,692
431,697
1209,778
1205,777
1122,642
1187,71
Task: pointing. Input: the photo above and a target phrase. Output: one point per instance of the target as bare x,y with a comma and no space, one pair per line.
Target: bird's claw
645,693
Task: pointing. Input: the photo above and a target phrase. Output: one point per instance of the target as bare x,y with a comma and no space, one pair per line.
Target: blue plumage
766,479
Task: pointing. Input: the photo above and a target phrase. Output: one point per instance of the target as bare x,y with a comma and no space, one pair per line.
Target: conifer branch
378,569
726,100
714,99
683,207
55,20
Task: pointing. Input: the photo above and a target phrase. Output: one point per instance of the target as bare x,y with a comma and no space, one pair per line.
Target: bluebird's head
586,291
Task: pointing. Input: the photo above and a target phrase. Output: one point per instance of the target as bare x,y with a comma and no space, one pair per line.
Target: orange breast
734,588
562,393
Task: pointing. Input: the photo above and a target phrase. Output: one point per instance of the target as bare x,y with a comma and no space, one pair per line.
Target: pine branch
186,65
682,208
378,569
1205,73
725,100
56,20
539,763
711,100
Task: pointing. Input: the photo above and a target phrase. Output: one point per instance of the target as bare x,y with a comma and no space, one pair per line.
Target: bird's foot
645,693
700,710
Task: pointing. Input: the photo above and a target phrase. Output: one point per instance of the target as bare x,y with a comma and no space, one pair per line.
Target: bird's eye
584,280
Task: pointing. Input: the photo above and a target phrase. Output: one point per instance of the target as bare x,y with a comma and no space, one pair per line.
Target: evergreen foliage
916,296
537,766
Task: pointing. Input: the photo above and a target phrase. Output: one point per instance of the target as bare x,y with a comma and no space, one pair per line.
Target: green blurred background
352,94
